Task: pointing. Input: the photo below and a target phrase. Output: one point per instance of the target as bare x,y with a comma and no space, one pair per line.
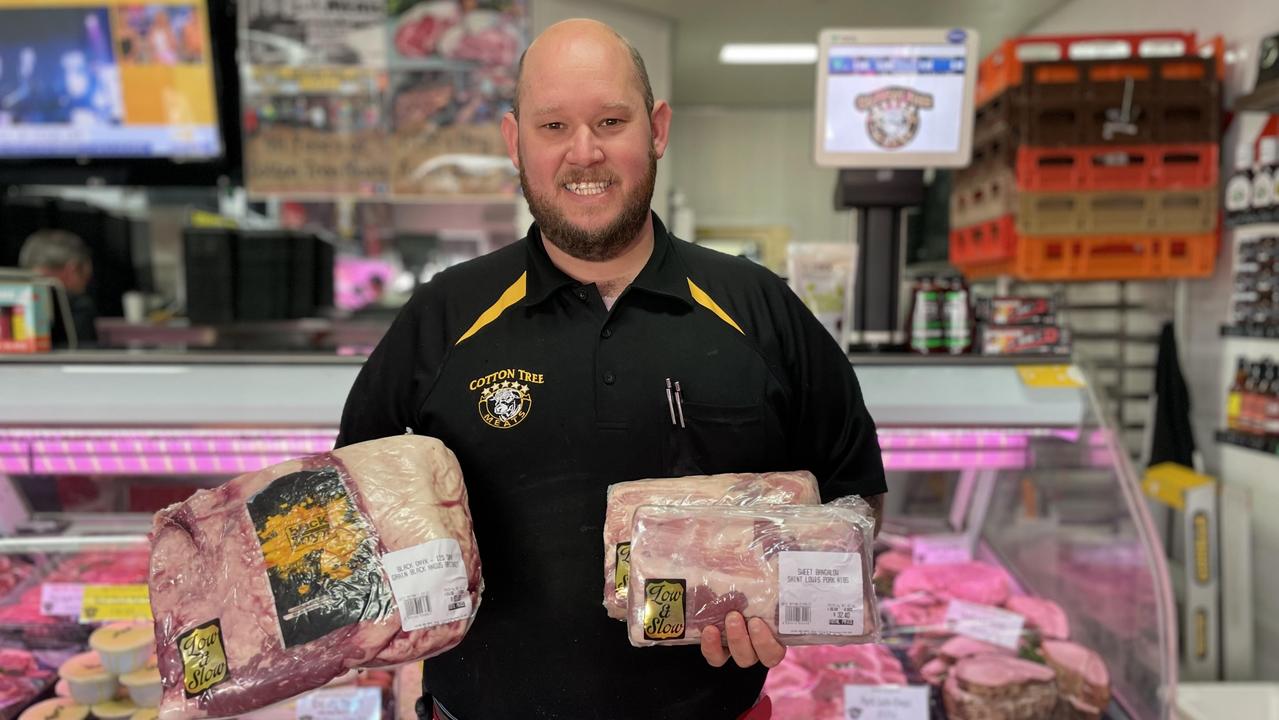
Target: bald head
577,38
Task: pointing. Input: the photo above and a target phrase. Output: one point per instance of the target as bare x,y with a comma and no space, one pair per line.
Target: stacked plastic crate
1095,158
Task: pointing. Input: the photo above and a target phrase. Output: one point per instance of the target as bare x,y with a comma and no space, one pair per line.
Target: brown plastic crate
984,199
1188,212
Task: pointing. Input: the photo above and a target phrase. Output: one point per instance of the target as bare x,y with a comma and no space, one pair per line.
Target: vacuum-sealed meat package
283,579
778,488
805,570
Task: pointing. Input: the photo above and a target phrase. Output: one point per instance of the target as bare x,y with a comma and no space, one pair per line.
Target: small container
88,680
124,647
114,710
144,685
59,708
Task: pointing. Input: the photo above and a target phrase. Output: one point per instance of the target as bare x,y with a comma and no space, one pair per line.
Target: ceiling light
768,54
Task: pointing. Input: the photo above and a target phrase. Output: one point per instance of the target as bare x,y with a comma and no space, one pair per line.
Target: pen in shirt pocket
675,401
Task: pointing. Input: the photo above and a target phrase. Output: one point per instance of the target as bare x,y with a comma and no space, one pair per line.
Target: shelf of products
1262,332
1260,443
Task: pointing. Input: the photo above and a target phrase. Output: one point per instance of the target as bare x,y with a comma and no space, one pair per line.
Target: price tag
941,550
349,703
985,623
1051,376
886,702
61,599
108,603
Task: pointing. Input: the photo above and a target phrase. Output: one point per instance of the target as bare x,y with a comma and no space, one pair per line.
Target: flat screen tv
127,91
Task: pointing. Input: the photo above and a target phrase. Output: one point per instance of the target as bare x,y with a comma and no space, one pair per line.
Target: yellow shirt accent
705,301
512,295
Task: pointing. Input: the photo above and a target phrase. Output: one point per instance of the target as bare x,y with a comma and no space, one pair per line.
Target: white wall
650,34
1204,354
755,167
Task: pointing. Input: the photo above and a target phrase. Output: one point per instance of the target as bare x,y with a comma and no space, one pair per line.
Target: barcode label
417,605
799,614
430,583
820,593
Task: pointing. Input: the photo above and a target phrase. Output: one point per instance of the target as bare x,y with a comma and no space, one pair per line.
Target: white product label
349,703
1238,193
886,702
429,583
941,550
820,593
1263,188
1268,151
61,599
985,623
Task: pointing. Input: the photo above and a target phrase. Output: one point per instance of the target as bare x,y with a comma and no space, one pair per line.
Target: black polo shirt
547,398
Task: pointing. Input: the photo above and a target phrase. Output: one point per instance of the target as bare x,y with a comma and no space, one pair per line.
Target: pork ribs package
779,488
284,579
805,570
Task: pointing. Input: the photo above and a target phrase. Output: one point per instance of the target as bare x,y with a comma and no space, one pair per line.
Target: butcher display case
1003,475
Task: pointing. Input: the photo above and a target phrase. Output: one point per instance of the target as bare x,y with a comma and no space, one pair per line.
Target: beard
603,243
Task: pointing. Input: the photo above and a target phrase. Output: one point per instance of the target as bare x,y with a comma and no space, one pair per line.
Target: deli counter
1006,468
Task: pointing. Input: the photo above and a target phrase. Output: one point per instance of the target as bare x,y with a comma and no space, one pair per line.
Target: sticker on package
820,593
429,583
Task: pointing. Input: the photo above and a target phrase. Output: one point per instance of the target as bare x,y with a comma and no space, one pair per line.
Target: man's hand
748,643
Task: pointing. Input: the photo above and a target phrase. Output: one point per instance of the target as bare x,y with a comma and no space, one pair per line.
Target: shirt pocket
719,439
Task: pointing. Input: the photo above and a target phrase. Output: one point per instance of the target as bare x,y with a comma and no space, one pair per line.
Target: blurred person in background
63,256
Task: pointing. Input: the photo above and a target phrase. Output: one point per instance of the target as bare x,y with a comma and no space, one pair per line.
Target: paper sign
886,702
350,703
985,623
61,599
1051,376
108,603
942,550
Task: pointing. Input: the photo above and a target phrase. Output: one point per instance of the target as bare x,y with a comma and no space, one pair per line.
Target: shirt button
607,333
581,295
609,378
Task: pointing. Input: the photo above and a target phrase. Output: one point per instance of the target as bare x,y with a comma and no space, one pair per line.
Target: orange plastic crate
1131,257
984,243
1004,68
1135,167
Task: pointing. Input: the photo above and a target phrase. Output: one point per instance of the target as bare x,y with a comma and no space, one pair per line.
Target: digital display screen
895,98
107,79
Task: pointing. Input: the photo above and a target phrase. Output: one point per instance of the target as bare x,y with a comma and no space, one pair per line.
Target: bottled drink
1234,398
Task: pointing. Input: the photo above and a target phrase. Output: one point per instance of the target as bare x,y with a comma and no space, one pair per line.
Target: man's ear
660,121
511,133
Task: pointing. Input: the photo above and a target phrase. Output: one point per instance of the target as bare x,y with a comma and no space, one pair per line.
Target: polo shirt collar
663,274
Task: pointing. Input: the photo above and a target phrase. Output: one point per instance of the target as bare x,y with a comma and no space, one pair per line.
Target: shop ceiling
701,27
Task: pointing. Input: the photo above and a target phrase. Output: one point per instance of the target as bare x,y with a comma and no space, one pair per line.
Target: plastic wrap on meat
283,579
997,687
1082,678
1042,615
804,570
782,488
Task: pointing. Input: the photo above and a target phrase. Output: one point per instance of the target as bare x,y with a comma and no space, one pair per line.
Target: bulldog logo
892,115
504,405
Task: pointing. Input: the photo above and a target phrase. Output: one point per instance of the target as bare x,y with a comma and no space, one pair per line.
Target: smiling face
584,143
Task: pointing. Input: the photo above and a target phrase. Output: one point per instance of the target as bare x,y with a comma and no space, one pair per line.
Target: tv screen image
111,79
895,98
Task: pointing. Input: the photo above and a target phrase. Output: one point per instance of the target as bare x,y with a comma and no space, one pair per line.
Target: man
544,366
63,256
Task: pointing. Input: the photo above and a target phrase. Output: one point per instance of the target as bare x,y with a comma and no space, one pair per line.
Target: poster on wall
315,131
294,33
422,119
453,67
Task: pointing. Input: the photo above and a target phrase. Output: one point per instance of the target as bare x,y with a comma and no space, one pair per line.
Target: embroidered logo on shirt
505,397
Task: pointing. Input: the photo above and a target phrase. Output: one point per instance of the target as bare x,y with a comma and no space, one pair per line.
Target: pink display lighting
231,452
